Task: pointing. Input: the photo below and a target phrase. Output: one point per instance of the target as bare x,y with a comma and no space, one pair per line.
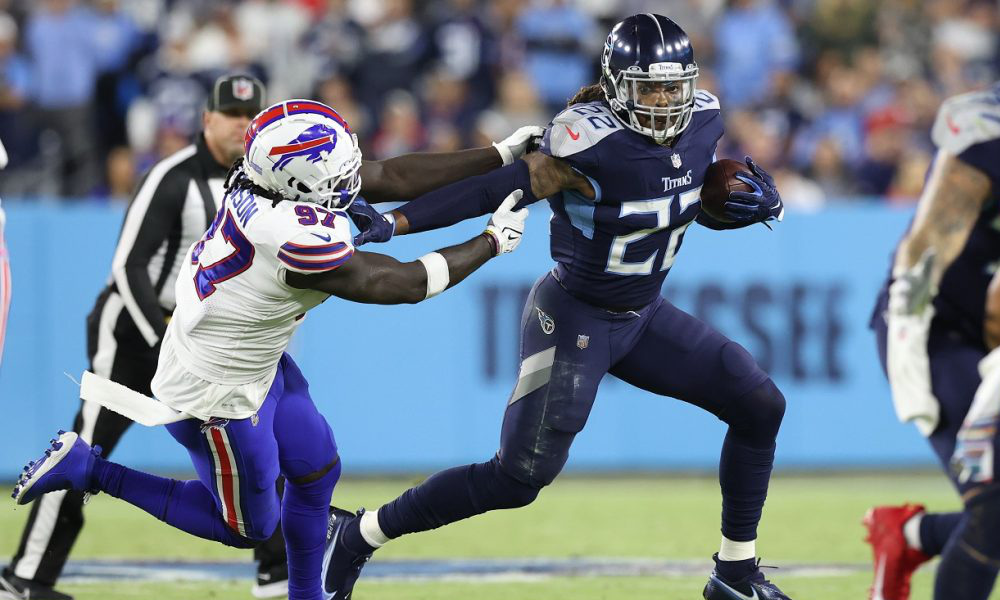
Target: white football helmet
304,151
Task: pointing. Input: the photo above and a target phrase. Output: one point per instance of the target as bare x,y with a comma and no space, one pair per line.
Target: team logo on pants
582,341
548,325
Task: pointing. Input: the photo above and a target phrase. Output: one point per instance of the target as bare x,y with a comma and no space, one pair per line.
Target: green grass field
808,519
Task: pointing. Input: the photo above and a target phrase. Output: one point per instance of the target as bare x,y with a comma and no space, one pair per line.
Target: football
720,179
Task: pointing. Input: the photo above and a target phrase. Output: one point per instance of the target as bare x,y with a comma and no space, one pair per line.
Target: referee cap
237,92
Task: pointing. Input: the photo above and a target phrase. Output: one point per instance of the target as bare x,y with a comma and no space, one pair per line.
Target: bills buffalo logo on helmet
310,143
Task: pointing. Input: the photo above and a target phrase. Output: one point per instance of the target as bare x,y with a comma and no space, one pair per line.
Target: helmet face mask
651,91
305,152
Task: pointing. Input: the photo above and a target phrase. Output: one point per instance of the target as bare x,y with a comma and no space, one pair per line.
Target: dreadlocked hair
238,179
588,93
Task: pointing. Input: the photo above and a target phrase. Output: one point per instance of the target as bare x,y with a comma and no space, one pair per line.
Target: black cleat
341,566
272,582
13,587
752,587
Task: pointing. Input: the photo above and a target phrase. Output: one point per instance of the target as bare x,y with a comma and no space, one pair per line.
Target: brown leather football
720,179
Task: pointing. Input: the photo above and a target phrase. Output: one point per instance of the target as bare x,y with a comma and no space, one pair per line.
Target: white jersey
235,314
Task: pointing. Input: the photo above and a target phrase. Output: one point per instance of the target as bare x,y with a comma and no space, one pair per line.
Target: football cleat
271,582
341,566
752,587
895,562
13,587
66,465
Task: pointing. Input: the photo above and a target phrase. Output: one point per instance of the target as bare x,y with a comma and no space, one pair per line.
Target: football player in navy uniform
929,323
622,168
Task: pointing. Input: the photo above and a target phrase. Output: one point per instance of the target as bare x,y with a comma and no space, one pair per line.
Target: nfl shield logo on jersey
582,341
242,89
675,159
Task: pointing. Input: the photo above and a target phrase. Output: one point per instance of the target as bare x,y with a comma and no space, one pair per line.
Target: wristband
437,273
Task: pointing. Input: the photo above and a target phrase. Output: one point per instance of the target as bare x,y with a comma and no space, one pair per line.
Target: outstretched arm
379,279
410,175
538,174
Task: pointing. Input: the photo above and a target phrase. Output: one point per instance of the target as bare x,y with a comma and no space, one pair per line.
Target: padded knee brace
504,487
756,416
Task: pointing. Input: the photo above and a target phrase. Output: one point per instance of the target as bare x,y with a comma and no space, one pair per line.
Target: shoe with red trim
895,561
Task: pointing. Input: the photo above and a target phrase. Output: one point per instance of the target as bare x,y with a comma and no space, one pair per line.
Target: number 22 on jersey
661,208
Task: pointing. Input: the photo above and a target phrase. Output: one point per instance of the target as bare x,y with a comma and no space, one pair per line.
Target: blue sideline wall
418,387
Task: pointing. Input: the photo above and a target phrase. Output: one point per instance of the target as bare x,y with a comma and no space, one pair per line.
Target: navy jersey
968,126
615,250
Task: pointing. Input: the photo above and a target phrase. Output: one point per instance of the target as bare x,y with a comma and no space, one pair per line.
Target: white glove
908,320
513,146
507,225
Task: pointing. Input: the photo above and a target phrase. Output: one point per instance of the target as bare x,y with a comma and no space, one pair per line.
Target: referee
171,210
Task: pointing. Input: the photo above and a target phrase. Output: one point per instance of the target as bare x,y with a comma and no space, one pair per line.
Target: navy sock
744,474
354,541
735,570
936,529
186,505
961,575
453,495
305,510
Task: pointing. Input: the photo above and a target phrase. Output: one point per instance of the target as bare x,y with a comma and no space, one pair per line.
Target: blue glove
372,225
761,205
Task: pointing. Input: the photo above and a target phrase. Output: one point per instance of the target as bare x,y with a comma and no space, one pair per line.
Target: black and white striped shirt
171,209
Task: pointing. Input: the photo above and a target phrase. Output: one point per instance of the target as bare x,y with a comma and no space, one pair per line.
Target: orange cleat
895,562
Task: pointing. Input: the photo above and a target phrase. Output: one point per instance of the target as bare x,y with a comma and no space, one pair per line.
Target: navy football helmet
648,56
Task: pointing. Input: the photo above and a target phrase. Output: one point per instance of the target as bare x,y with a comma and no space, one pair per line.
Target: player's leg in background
677,355
971,558
564,355
954,378
118,352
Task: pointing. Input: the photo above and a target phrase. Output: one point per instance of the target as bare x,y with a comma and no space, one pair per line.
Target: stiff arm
544,175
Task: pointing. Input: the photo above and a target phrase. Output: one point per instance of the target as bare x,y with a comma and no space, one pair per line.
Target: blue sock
936,529
305,509
186,505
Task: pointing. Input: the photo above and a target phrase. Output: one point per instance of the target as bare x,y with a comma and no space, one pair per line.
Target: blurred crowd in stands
835,97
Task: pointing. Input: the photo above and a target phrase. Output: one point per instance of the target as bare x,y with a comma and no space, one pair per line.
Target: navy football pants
660,349
567,346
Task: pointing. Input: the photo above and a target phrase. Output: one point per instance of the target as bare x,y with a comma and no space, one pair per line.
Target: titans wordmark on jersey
615,250
235,314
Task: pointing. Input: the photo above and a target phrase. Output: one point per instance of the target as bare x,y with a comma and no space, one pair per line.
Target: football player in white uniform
279,246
